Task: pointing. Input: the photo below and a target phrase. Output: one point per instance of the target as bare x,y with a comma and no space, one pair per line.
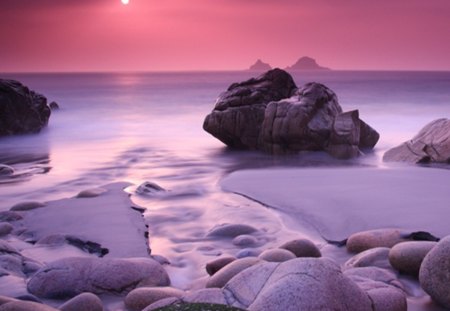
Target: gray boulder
71,276
19,305
215,265
84,301
365,240
407,257
374,257
269,113
239,112
277,255
434,273
230,230
221,277
21,110
302,248
142,297
431,144
297,284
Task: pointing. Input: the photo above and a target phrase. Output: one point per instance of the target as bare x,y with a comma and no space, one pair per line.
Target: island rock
260,66
22,111
306,63
431,144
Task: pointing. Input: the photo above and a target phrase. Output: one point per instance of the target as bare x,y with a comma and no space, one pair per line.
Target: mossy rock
198,307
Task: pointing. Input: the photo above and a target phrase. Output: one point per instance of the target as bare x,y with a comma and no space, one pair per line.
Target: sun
125,2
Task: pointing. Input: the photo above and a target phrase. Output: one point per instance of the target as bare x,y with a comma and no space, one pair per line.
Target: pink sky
150,35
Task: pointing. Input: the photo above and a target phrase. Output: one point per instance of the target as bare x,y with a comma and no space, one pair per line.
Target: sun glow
125,2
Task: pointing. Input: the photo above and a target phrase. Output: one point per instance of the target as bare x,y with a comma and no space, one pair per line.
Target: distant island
260,66
306,63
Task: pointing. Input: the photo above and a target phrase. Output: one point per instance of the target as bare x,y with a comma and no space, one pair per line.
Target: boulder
302,248
26,206
245,240
431,144
91,193
277,255
269,113
248,252
374,257
407,257
142,297
434,273
10,216
297,284
230,230
21,110
221,277
71,276
365,240
215,265
239,112
84,301
149,188
19,305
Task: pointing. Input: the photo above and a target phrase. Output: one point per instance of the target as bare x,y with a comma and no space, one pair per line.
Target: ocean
139,127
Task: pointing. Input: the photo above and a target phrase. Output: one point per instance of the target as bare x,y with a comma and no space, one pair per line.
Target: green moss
197,307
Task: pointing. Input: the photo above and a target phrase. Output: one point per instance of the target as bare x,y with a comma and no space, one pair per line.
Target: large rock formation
21,110
431,144
306,63
270,113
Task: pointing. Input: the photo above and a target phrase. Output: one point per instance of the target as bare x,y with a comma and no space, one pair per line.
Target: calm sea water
140,127
148,126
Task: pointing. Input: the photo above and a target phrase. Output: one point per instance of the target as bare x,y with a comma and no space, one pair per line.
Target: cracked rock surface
271,114
431,144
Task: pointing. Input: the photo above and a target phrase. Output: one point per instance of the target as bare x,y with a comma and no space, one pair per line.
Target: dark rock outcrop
270,113
22,111
431,144
260,66
306,63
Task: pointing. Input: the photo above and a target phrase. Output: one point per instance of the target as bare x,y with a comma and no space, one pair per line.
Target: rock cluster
21,110
270,113
431,144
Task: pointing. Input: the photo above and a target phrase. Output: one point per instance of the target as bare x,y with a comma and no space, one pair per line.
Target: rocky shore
77,260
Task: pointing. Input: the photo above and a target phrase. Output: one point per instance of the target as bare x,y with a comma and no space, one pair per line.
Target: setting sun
125,2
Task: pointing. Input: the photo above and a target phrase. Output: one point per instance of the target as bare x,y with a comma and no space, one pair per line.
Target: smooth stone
6,170
221,277
277,255
195,306
370,277
71,276
149,188
431,144
5,228
297,284
374,257
248,252
302,248
245,240
230,230
84,301
142,297
206,295
387,299
10,216
215,265
26,206
407,257
361,241
434,273
20,305
91,193
6,299
160,304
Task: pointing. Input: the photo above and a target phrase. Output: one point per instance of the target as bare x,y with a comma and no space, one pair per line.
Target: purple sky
104,35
